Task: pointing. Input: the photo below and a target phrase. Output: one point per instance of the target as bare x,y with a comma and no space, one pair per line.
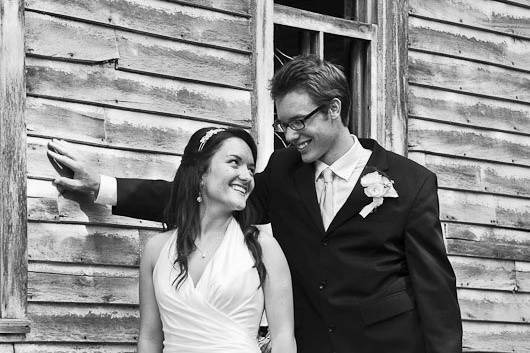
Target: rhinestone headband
207,136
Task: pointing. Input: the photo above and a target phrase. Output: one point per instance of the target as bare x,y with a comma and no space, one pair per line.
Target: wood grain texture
522,275
489,242
104,160
464,109
59,38
442,38
392,55
55,283
162,18
465,174
109,127
183,60
461,141
467,207
70,40
490,15
495,337
467,76
494,306
103,85
484,273
83,244
87,323
7,348
13,264
238,6
74,348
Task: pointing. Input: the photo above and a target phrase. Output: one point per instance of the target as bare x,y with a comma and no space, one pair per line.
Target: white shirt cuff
108,191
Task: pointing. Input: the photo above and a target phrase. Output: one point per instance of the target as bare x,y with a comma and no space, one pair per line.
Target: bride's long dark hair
183,212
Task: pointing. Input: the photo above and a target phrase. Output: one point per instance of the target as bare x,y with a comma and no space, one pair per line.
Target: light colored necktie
326,197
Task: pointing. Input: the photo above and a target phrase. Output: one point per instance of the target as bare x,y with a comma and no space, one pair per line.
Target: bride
205,282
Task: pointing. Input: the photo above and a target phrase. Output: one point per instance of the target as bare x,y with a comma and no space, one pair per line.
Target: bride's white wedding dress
219,313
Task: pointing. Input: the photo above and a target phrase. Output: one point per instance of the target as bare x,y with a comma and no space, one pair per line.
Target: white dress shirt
347,170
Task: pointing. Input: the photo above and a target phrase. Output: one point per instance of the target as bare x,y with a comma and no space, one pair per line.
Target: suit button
331,329
322,285
324,243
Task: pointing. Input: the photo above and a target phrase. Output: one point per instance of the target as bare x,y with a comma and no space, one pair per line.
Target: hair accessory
207,136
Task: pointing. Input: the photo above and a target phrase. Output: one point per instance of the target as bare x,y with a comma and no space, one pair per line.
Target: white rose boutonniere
377,186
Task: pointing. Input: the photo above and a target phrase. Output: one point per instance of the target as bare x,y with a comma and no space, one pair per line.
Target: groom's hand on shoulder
75,173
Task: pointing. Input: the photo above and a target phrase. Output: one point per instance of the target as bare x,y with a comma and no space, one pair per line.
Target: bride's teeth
239,188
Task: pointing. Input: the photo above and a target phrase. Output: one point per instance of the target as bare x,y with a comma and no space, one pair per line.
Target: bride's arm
278,296
151,337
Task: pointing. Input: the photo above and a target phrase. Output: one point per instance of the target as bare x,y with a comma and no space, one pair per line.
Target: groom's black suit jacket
377,284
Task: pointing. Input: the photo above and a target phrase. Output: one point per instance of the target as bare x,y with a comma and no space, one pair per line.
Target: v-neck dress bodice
219,313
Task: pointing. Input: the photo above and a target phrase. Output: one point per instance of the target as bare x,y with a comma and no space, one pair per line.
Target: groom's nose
291,135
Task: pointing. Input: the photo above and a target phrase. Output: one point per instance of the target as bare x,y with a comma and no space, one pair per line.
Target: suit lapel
304,178
357,199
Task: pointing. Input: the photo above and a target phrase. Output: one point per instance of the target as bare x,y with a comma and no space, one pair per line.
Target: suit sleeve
433,279
259,200
139,198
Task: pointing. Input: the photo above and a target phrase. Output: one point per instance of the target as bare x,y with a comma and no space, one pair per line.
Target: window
368,38
13,261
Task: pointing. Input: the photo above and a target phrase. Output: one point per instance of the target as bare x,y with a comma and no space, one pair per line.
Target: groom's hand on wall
76,175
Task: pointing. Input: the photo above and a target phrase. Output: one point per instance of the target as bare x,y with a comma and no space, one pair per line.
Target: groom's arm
141,198
432,276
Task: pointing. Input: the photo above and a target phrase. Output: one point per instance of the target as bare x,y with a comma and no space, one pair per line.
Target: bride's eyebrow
239,159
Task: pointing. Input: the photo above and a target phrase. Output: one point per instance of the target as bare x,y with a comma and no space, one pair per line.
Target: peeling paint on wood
489,274
173,20
106,161
465,174
459,141
73,288
494,306
469,43
469,110
467,76
484,209
83,323
490,242
59,38
491,15
83,244
522,275
102,84
170,58
495,337
74,348
64,39
109,127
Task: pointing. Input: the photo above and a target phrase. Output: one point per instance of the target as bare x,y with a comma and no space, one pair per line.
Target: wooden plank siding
127,82
469,122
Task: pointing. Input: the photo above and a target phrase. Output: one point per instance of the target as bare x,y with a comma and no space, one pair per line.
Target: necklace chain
204,254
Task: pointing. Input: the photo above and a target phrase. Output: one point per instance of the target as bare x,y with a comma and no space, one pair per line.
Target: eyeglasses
298,124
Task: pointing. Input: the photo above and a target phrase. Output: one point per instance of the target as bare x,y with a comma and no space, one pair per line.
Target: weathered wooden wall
127,82
469,121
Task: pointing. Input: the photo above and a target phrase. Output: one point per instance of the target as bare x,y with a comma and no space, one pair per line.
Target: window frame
383,27
13,227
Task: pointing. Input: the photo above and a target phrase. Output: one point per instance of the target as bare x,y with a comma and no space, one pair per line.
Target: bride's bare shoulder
154,245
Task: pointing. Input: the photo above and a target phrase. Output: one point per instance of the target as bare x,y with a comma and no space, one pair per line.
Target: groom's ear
334,109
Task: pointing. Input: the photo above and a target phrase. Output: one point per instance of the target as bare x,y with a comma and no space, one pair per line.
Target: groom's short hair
321,79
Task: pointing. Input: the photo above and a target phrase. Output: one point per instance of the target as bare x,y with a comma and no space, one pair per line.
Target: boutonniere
377,186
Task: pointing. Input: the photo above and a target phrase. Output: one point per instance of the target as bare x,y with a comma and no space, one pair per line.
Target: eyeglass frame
280,126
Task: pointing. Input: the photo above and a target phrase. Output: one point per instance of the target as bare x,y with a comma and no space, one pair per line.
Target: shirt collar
346,164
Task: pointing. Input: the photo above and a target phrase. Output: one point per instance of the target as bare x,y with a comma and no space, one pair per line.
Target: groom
359,225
